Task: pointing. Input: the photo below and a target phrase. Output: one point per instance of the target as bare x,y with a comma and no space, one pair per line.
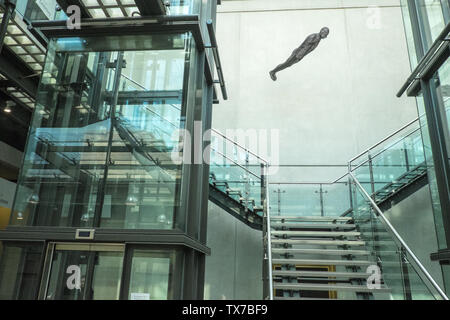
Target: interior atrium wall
336,102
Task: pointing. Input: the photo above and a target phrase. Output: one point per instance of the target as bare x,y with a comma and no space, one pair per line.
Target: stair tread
321,262
320,242
311,218
320,274
327,287
316,233
322,251
313,225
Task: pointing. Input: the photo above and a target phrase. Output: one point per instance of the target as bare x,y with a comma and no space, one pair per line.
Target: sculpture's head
324,32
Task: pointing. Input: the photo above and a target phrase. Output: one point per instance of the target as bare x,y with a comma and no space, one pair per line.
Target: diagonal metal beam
15,70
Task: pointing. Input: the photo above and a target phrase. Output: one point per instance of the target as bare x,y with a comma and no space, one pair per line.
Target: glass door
83,271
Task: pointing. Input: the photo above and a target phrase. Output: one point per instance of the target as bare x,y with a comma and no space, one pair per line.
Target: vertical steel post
405,274
350,195
372,182
321,200
112,116
406,155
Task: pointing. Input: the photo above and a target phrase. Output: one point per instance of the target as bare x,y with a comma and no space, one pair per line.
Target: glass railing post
263,184
407,292
247,181
405,147
321,192
372,181
350,195
267,266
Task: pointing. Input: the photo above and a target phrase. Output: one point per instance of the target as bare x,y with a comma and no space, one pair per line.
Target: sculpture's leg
289,62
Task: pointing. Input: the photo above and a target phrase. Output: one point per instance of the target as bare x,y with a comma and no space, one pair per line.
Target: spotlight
162,218
131,201
34,198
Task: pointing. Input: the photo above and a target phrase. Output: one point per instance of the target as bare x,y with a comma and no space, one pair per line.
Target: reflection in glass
151,275
100,145
19,270
80,272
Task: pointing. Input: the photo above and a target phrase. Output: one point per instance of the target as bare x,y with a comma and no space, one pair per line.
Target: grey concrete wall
413,219
234,269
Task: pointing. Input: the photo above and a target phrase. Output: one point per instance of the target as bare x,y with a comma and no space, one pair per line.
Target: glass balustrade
309,199
399,268
236,172
391,164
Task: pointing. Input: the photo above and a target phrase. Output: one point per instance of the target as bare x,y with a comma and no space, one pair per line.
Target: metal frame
9,7
142,25
215,50
168,237
428,65
436,129
421,81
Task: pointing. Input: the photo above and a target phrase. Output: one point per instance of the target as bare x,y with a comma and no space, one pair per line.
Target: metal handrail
425,59
214,47
399,238
238,145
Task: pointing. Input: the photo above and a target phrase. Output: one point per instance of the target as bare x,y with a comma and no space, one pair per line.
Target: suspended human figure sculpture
311,42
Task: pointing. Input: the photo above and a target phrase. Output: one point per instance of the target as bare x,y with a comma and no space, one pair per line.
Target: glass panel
398,274
310,199
409,33
443,93
440,81
42,10
392,164
72,267
336,198
151,276
295,199
143,182
91,161
68,276
417,289
236,172
107,276
19,270
432,20
180,7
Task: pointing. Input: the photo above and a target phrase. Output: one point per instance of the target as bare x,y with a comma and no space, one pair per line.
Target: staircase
321,258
